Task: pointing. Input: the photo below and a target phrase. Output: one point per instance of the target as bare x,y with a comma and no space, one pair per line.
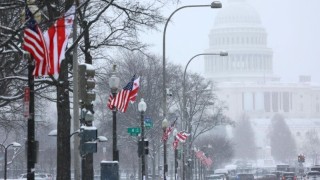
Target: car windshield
313,173
245,176
288,174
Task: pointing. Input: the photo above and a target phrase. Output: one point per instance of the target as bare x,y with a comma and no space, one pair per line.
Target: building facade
244,79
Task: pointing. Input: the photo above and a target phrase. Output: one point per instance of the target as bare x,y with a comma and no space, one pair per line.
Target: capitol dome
237,11
238,30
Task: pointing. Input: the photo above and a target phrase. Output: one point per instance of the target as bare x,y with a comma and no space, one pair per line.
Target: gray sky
293,28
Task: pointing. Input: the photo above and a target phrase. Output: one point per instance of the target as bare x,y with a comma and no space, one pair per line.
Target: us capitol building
244,79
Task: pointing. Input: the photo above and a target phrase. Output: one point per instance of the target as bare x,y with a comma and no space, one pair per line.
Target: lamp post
13,144
184,114
142,107
114,85
165,165
175,132
214,4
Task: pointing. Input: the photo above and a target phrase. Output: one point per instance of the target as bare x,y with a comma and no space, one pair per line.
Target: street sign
134,131
148,122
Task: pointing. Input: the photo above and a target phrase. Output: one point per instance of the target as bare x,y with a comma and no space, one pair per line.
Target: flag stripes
57,39
182,136
207,161
34,43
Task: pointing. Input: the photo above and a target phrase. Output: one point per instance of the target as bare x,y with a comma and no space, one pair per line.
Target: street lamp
214,4
114,85
184,109
175,132
13,144
165,165
142,107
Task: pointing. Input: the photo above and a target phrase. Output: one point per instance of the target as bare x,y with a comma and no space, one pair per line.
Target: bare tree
203,110
219,148
122,23
205,114
311,145
148,67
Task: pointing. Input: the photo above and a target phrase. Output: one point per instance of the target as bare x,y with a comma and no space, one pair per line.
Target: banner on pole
26,102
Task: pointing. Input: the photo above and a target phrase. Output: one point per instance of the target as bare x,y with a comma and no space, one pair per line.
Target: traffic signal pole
87,96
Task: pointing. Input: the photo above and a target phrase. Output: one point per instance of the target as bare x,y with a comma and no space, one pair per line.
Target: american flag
182,136
168,131
34,43
128,93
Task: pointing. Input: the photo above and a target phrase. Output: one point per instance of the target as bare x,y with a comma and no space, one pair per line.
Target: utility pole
31,143
76,123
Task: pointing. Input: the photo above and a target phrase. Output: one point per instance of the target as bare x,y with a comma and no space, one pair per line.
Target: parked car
222,171
38,176
278,174
312,175
289,176
244,176
269,177
216,177
315,168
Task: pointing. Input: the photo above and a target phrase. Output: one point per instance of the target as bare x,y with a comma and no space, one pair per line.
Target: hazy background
293,28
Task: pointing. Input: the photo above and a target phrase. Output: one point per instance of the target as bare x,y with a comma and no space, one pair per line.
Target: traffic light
139,148
88,137
86,84
301,158
146,148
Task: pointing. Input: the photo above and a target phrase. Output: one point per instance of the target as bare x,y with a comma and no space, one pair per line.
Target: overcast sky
293,28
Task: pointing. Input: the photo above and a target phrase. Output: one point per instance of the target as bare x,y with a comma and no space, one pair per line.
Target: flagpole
175,154
31,148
